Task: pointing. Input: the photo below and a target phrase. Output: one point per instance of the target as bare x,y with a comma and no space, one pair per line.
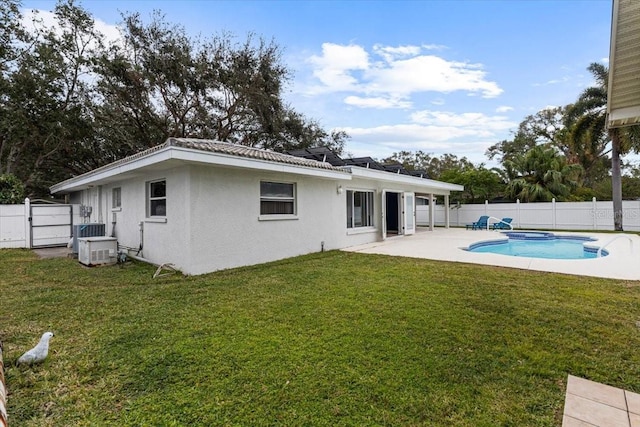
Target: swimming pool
539,244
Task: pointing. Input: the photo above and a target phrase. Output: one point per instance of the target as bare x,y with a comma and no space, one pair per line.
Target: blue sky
450,76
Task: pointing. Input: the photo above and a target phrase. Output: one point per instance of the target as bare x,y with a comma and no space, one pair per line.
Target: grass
325,339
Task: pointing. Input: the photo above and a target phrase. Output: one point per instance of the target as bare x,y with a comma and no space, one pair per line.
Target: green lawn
326,339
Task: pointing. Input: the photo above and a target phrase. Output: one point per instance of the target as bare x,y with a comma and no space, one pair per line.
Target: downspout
141,225
141,259
100,204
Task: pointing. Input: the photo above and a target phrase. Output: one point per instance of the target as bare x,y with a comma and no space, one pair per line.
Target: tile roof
247,152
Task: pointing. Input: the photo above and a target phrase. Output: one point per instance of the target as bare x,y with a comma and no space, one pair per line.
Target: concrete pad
588,403
633,402
594,413
57,252
572,422
597,392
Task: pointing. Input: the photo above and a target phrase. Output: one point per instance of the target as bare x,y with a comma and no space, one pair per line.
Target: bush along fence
593,215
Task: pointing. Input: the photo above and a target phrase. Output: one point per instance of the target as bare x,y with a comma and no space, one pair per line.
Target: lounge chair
480,224
502,225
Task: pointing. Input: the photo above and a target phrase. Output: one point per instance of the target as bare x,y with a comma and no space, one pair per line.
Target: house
207,205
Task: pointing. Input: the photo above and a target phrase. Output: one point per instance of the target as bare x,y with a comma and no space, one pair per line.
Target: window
157,198
359,209
116,201
277,198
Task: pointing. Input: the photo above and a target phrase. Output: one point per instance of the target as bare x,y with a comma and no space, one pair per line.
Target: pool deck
623,261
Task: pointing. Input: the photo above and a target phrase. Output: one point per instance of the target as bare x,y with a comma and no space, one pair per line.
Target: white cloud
110,32
553,81
34,20
407,133
390,53
404,71
477,123
437,132
376,102
434,46
382,141
334,66
438,101
504,109
428,73
549,107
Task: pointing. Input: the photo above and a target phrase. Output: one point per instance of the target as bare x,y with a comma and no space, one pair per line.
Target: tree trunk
616,180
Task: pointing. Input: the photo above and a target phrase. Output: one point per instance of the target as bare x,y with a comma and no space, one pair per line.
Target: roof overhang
170,156
418,184
623,98
177,152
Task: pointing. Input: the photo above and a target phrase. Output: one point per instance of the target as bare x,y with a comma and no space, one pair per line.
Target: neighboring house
207,205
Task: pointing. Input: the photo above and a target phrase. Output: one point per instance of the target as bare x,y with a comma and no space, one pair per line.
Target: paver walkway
588,403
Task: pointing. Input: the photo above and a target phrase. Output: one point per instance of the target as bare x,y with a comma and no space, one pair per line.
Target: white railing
619,236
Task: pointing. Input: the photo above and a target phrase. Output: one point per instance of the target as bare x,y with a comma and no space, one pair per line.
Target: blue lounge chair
480,224
502,225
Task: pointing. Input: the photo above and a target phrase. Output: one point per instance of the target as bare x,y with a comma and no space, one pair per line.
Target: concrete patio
588,403
447,245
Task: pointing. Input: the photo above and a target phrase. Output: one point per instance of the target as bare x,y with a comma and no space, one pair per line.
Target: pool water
539,245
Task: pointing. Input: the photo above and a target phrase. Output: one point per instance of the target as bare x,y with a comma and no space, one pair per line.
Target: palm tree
541,174
588,120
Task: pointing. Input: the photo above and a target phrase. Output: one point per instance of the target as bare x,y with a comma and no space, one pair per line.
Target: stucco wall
227,230
213,216
163,240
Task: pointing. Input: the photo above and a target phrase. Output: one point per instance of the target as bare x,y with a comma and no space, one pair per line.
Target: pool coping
588,243
448,245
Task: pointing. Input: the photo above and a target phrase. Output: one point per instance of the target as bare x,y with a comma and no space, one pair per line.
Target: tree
69,104
541,175
544,127
479,183
11,190
43,114
160,82
433,166
588,115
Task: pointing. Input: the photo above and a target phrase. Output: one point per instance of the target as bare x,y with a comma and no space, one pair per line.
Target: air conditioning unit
97,250
86,230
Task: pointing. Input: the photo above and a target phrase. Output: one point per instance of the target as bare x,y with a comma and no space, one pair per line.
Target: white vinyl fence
29,225
593,215
16,228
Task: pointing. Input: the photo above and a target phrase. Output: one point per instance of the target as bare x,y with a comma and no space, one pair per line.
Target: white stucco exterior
213,219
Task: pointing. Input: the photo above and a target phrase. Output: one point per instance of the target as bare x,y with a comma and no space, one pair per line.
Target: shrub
11,190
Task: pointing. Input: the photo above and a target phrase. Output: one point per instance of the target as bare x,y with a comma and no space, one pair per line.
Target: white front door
409,216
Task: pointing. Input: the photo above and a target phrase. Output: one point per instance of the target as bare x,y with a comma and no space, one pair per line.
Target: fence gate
51,225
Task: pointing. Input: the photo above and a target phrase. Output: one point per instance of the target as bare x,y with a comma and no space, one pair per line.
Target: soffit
623,103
